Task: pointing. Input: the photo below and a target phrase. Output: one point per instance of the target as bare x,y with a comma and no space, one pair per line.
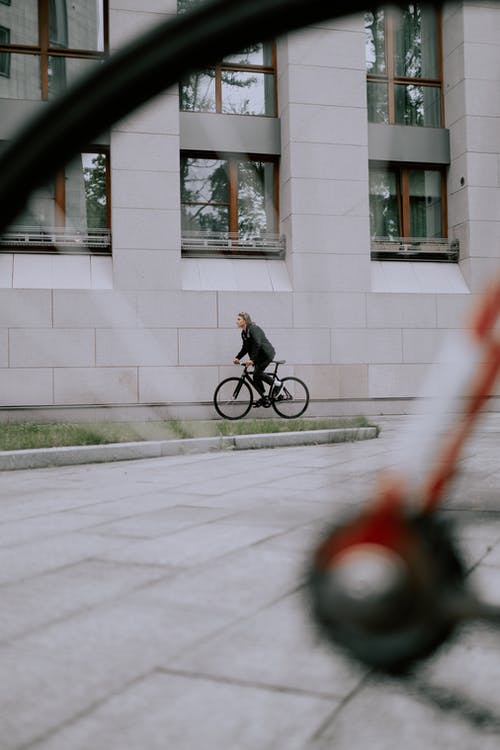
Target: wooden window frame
233,160
44,50
392,80
221,67
403,192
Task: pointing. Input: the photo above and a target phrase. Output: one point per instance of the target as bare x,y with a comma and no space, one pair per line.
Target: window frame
222,67
392,80
44,50
231,248
56,238
406,245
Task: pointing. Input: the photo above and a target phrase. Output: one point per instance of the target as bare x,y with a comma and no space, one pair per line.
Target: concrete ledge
87,454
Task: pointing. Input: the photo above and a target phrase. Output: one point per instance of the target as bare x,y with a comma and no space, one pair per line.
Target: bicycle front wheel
233,398
293,399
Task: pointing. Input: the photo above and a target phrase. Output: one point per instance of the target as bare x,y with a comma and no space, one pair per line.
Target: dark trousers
259,375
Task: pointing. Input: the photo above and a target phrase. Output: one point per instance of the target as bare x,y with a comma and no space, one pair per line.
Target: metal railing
415,248
58,239
196,243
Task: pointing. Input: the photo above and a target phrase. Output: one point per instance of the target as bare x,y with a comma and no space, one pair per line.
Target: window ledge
59,240
415,249
233,245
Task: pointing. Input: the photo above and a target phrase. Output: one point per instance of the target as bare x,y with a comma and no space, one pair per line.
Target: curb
87,454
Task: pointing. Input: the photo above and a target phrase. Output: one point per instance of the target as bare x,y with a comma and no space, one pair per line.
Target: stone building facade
135,311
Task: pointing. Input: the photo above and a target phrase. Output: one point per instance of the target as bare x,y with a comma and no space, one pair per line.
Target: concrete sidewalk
156,604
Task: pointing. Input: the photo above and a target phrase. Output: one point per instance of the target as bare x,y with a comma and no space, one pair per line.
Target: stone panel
323,381
147,269
327,47
323,310
320,85
141,189
146,347
302,346
66,347
146,229
198,347
269,309
148,152
94,309
104,385
331,234
24,387
175,308
401,310
395,381
353,381
330,197
317,124
177,384
358,346
331,273
30,308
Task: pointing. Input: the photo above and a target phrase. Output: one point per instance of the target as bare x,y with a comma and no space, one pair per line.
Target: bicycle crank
390,588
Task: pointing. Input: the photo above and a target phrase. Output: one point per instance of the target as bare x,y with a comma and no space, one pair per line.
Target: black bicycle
234,397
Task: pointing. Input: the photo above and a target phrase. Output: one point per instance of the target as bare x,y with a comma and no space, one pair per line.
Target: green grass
33,435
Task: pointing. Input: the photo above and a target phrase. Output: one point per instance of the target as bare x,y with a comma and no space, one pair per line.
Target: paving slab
157,603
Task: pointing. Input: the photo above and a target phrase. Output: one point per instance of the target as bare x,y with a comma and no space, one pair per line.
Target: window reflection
243,83
49,28
402,60
375,41
205,194
384,212
256,213
415,42
235,195
426,214
197,93
418,105
247,93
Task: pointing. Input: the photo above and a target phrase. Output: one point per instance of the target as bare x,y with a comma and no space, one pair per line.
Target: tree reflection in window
242,84
403,66
235,194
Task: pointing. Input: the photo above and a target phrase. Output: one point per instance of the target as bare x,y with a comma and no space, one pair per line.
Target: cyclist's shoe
258,403
277,390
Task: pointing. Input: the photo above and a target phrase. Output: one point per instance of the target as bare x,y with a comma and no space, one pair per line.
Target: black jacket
256,345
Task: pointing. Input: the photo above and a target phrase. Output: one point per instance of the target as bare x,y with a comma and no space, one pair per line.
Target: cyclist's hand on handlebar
236,361
249,363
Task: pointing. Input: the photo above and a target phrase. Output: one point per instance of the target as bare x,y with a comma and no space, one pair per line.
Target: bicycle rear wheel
293,399
233,398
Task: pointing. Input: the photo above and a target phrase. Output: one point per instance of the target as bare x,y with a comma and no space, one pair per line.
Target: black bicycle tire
242,385
276,404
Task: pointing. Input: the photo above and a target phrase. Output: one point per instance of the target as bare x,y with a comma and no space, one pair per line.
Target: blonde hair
245,316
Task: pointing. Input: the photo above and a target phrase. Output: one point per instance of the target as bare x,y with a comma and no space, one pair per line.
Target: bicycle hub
383,587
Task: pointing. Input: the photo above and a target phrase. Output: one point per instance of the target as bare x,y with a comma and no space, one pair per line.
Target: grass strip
29,435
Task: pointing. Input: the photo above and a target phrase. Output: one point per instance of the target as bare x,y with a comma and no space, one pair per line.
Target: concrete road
157,605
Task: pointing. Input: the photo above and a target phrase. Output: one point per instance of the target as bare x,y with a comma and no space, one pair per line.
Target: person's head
243,319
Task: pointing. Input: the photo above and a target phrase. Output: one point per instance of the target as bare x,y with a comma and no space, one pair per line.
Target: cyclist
261,353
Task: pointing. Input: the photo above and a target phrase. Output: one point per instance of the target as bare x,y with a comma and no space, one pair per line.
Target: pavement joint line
86,454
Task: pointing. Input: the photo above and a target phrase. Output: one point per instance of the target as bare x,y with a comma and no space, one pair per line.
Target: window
229,201
51,43
4,57
242,84
71,212
403,63
408,212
